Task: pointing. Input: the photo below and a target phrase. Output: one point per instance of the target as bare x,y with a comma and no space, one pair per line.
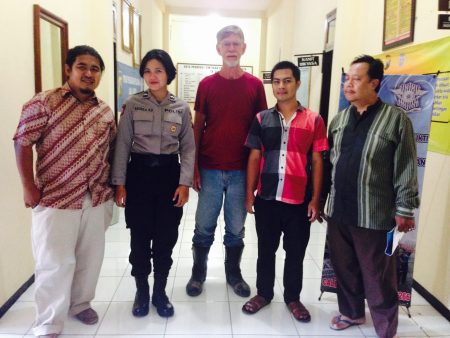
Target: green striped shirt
387,180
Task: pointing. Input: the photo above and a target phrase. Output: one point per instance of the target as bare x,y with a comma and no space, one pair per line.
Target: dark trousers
151,216
364,271
272,219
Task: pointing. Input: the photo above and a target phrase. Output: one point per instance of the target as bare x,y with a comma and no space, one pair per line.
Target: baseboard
434,302
10,302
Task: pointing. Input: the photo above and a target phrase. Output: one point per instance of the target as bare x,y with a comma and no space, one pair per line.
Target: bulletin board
189,76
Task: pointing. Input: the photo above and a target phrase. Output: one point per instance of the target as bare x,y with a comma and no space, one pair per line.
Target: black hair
376,68
286,65
76,51
163,57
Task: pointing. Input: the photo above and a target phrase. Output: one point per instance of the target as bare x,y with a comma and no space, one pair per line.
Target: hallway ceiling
246,5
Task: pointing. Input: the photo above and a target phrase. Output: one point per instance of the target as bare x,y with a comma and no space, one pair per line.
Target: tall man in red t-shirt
225,106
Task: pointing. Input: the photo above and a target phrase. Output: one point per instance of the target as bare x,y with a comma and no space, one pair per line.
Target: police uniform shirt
149,127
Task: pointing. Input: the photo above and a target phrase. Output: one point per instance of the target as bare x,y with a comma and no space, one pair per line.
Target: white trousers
68,248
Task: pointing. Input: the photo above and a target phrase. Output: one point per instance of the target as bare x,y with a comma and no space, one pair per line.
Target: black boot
159,298
233,271
142,298
195,285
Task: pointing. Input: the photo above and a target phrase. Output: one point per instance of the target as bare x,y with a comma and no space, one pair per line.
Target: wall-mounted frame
126,31
51,40
444,5
137,42
398,23
329,30
189,76
114,17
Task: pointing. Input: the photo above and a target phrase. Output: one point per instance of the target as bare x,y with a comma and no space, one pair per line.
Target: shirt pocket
300,139
383,145
143,122
336,131
172,124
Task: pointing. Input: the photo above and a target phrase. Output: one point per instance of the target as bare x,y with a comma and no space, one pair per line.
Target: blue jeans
218,185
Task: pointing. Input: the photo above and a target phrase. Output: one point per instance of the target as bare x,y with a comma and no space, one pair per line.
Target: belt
152,160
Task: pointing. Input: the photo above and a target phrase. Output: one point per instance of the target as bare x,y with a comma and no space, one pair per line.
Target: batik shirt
73,144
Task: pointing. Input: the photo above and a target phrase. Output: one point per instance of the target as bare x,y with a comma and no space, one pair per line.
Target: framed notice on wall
189,76
126,13
137,44
398,23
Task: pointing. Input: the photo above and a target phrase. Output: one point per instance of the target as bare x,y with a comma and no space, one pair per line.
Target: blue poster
129,82
415,95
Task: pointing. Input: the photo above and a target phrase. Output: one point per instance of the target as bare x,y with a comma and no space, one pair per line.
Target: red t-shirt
229,107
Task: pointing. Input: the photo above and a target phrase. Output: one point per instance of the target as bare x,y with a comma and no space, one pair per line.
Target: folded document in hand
392,239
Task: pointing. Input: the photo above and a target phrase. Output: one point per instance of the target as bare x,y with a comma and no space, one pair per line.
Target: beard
86,91
232,64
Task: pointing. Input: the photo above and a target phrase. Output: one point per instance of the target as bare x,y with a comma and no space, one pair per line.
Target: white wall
309,37
279,29
152,24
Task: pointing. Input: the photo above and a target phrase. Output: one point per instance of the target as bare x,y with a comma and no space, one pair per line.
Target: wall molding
10,302
434,302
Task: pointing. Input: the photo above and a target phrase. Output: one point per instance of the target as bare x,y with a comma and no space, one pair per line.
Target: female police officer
154,131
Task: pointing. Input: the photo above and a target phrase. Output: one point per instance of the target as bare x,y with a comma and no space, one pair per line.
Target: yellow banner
425,58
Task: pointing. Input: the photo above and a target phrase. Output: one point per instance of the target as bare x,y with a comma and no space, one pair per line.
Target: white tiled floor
217,311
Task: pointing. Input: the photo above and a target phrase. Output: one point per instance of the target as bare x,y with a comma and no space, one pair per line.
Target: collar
300,108
66,92
170,98
370,109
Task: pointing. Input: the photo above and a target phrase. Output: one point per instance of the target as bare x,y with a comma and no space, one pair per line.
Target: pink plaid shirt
285,146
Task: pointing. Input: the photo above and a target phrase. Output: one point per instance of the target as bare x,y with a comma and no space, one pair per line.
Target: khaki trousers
68,248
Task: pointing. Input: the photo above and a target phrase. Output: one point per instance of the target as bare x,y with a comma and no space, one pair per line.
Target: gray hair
227,31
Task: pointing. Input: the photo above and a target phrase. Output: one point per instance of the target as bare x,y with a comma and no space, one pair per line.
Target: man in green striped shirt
373,188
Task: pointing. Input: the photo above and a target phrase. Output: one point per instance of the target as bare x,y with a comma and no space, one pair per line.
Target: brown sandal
299,311
254,304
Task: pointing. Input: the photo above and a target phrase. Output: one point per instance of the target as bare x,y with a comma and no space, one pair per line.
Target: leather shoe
194,287
88,316
163,306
